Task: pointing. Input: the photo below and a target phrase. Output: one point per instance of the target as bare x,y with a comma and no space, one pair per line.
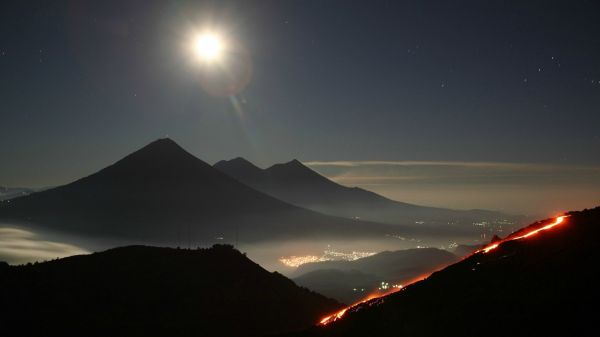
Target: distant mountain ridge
151,291
7,193
161,193
348,281
297,184
398,264
346,286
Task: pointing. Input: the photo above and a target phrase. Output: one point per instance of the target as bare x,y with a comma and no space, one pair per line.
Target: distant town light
328,255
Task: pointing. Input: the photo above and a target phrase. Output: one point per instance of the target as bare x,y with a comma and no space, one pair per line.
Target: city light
328,255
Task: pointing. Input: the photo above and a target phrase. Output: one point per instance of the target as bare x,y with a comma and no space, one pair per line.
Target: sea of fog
22,244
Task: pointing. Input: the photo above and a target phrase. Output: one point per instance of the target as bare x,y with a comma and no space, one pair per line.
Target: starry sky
510,82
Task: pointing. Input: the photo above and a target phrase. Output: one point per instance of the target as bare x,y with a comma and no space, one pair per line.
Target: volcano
297,184
541,280
162,193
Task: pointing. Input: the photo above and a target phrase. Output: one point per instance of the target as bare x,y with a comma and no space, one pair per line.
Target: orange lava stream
338,315
493,246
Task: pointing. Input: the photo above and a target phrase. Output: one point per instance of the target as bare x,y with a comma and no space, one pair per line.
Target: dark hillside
148,291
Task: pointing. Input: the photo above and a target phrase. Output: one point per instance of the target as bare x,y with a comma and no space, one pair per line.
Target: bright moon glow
209,47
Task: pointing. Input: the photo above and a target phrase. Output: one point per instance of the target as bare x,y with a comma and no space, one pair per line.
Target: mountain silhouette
343,279
161,193
545,284
297,184
7,193
150,291
389,264
346,286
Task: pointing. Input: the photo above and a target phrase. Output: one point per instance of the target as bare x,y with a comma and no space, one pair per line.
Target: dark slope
162,192
297,184
393,267
546,284
149,291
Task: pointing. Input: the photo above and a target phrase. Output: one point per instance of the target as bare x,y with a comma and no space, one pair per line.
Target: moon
209,47
223,63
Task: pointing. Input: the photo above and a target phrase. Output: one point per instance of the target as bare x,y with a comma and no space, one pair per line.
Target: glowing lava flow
334,317
493,246
338,315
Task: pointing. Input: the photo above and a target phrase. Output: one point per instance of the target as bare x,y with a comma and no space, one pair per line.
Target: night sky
515,82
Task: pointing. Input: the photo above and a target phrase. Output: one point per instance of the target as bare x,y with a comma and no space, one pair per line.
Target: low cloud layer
19,246
535,189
